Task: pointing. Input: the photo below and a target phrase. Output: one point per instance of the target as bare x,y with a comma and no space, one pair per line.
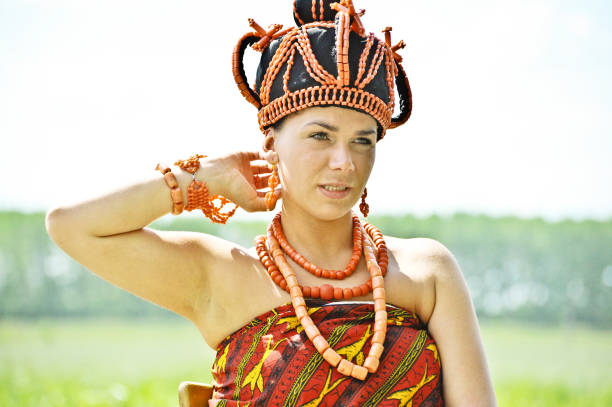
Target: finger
261,181
278,192
259,205
266,155
261,169
253,155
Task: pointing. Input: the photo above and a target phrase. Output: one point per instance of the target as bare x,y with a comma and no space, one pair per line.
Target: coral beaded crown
328,59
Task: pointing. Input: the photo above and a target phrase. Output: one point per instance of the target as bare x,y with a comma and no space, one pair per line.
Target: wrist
209,173
198,181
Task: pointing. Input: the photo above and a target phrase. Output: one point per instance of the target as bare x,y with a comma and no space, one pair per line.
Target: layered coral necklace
367,239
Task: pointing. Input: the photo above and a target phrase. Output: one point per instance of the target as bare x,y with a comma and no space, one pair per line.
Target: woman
323,310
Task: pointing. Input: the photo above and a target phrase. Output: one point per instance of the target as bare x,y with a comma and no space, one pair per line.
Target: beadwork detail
363,206
283,275
347,7
326,291
323,95
273,182
197,192
331,89
277,231
175,192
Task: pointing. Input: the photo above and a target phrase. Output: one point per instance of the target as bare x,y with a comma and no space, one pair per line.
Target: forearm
130,207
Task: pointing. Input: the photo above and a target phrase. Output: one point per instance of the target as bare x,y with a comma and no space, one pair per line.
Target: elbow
52,223
49,219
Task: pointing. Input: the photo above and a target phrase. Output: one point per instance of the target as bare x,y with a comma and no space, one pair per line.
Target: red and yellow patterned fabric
271,362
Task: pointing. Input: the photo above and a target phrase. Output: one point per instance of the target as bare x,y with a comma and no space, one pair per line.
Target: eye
319,136
364,140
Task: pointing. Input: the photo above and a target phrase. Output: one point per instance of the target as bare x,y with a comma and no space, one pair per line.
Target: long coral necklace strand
297,298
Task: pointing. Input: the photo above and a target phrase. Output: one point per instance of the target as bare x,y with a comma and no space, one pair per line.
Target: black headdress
328,59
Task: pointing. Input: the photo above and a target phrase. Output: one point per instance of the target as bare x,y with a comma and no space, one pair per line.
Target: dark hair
279,124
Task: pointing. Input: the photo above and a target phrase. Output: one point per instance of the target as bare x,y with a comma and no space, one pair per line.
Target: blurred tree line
525,269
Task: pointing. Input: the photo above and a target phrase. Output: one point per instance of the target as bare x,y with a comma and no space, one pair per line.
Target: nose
341,158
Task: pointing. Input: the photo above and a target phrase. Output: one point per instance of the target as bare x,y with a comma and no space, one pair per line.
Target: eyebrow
333,128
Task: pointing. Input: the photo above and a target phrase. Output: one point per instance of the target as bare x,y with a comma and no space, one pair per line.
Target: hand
240,180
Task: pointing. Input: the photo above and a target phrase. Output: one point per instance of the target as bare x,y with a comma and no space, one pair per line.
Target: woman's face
321,147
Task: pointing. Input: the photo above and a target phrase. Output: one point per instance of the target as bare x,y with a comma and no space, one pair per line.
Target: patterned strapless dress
271,361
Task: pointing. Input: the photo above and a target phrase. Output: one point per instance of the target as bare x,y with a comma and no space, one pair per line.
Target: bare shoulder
419,263
435,255
423,246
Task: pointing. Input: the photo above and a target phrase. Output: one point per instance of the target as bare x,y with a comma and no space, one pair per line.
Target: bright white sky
512,100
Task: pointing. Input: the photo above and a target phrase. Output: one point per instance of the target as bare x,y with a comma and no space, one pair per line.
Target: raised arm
109,237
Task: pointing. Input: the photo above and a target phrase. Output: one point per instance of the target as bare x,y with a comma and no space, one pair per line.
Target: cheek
364,169
364,162
299,171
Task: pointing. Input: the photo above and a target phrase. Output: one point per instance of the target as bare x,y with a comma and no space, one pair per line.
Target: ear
268,147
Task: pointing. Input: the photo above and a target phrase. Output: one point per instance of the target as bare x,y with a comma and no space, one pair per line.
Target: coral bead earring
273,182
363,206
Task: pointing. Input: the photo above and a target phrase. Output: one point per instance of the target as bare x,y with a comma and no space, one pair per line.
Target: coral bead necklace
313,268
283,275
326,291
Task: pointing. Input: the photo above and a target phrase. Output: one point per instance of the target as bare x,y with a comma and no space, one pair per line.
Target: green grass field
137,364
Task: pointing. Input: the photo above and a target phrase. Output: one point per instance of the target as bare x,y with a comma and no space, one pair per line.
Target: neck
327,243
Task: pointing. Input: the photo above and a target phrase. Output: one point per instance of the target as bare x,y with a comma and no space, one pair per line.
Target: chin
324,209
331,212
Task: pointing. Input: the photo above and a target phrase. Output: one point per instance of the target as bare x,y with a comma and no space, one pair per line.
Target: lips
338,194
337,185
